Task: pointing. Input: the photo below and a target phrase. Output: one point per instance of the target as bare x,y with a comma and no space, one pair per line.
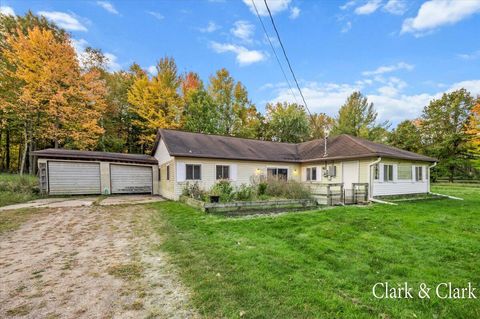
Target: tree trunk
24,153
7,150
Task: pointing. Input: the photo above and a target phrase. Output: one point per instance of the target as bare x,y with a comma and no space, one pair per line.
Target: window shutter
180,171
304,174
414,176
424,173
380,172
395,172
233,172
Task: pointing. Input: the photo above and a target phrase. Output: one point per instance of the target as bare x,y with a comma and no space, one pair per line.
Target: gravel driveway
88,262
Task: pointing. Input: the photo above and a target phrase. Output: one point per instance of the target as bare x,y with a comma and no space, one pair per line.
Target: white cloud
348,5
156,15
243,30
470,56
5,10
389,68
152,69
244,56
81,44
294,13
397,7
368,8
473,86
108,6
112,62
389,100
211,27
276,6
436,13
346,27
63,20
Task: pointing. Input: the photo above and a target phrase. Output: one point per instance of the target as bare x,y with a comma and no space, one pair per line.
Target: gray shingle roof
180,143
91,155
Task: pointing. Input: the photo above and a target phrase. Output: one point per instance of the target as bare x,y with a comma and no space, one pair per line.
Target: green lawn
17,189
323,264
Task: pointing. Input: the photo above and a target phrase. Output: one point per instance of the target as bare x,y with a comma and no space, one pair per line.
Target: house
180,157
192,157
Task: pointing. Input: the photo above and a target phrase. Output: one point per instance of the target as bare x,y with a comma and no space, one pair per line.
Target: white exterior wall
166,188
244,170
398,186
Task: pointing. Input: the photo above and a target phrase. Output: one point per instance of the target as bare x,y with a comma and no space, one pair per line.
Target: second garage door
131,179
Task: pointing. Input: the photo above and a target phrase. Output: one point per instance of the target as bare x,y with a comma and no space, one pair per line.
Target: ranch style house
180,157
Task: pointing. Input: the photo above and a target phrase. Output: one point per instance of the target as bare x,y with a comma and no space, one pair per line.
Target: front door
350,174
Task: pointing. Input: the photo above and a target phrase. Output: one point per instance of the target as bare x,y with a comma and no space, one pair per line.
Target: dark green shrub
287,189
262,188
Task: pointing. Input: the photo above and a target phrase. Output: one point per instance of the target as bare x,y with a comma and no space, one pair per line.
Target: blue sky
401,54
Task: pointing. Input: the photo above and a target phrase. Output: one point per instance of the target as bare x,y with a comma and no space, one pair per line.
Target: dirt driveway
88,262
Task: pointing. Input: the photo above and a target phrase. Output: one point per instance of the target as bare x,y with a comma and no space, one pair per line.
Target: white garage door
73,178
131,179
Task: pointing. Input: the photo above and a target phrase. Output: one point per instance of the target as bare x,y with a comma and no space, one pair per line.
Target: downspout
370,182
429,168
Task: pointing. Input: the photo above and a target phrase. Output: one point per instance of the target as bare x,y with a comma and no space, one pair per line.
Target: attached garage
69,172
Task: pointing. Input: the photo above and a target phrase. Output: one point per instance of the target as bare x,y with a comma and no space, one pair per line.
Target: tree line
52,96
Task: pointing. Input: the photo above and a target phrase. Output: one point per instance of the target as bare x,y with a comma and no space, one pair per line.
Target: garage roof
187,144
95,156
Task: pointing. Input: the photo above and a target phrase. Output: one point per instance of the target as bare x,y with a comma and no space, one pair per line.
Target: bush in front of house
287,189
245,193
224,189
194,191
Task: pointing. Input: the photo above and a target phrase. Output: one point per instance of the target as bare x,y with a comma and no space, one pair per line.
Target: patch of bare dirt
89,262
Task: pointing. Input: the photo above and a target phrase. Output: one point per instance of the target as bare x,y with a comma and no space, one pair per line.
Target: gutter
370,193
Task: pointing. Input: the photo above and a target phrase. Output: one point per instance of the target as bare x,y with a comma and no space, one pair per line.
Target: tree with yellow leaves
157,101
56,103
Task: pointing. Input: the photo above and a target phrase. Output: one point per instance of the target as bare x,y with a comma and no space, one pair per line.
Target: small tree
406,136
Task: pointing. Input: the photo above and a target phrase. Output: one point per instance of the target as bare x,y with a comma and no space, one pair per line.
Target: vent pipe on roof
327,133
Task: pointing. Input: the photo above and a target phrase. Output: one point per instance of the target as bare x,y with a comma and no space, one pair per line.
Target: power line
286,57
274,52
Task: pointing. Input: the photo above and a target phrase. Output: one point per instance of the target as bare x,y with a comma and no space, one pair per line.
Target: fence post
342,194
329,198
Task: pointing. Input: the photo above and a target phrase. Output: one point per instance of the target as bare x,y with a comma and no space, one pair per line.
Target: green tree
407,137
237,116
319,124
287,122
357,117
201,114
444,129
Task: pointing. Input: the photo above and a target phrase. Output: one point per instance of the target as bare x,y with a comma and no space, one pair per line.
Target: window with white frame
277,173
418,173
330,171
193,172
404,171
311,173
223,172
388,173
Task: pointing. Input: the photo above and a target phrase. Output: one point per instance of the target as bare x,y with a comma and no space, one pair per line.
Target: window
311,173
330,171
387,173
418,173
376,172
405,171
193,172
223,172
277,173
160,174
168,172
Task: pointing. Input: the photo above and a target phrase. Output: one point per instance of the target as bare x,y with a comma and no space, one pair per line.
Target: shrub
194,191
24,184
223,189
244,193
287,189
262,188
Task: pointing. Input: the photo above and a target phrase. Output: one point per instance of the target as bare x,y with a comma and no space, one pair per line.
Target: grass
17,189
12,219
323,264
